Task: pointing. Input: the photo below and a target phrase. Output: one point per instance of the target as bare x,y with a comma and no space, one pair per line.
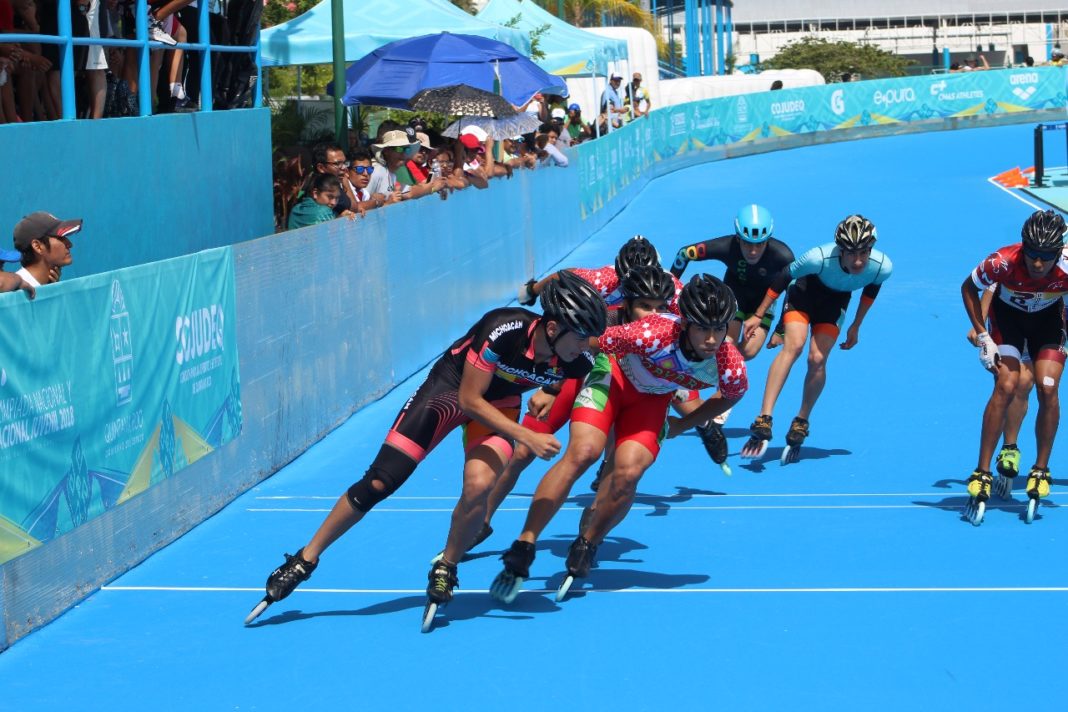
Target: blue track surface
846,581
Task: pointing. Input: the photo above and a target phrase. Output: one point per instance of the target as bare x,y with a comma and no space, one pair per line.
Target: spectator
512,154
391,155
43,243
546,142
557,120
611,103
577,129
11,281
317,206
360,170
1030,61
329,158
776,85
473,166
638,97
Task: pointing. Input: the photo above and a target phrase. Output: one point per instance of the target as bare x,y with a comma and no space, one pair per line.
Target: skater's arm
714,249
973,305
984,303
473,386
711,408
853,332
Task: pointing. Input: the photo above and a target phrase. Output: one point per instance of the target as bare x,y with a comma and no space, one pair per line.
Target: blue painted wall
148,188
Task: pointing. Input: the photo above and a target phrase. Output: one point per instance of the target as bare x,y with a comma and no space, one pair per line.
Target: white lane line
422,591
674,496
673,507
1013,193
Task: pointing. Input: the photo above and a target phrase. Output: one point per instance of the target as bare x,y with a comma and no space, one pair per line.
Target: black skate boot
283,581
757,444
442,580
715,442
580,556
794,438
517,561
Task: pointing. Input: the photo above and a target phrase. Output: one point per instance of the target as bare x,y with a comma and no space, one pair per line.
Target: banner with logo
110,384
677,130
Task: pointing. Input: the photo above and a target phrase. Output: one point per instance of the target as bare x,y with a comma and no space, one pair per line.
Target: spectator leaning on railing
43,242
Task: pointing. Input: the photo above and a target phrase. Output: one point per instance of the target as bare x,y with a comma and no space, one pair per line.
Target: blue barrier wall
332,316
148,188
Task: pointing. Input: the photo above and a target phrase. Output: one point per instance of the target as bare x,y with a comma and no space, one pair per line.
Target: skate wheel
790,454
429,612
561,592
436,559
1032,507
506,587
260,608
1003,487
726,469
977,514
754,452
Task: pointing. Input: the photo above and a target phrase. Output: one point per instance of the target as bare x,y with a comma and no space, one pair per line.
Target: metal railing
67,41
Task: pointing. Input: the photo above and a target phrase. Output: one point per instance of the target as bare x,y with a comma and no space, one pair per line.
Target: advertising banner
110,384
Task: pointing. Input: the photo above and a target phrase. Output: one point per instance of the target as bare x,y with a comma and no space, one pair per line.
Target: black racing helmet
647,282
855,233
575,304
706,301
636,251
1044,231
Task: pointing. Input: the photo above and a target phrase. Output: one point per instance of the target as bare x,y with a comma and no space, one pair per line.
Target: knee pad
391,468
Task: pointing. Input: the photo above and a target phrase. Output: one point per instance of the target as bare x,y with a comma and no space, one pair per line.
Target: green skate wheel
429,612
1032,507
561,593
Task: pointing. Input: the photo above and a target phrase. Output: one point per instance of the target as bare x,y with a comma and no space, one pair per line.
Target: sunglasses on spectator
363,169
1039,255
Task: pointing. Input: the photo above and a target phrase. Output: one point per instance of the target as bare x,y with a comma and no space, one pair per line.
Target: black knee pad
391,468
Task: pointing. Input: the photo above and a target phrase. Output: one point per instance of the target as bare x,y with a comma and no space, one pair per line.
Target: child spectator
318,205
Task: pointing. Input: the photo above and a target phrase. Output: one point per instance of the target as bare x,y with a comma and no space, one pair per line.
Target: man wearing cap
43,243
638,97
11,281
611,103
391,156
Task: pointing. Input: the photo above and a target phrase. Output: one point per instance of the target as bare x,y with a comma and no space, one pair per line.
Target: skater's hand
544,445
750,325
988,352
852,337
973,338
540,404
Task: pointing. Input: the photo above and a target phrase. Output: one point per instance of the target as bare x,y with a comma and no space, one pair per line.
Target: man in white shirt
390,155
611,103
43,242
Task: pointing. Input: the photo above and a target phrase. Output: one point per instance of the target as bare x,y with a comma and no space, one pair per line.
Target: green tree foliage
536,51
833,59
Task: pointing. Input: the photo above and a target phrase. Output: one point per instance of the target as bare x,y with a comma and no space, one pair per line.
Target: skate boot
442,580
517,561
715,443
979,484
484,533
794,438
600,473
1008,466
1037,488
283,581
580,556
758,442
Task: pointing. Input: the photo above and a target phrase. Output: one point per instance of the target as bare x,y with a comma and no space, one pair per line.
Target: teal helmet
754,224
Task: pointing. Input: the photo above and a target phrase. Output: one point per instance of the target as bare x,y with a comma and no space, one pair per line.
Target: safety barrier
332,316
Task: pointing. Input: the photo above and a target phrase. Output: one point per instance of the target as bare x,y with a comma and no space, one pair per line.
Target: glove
988,351
526,296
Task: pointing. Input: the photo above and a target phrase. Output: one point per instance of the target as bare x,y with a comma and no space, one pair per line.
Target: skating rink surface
846,581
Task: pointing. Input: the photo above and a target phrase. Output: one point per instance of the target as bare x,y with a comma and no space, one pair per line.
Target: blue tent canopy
569,51
307,39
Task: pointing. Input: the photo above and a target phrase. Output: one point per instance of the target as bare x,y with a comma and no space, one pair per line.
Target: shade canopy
307,38
569,51
392,74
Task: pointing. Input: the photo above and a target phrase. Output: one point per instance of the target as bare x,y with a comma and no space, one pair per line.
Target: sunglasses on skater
1039,255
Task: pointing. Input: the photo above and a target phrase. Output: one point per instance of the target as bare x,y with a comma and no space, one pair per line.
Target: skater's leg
585,445
389,470
615,498
1007,377
1017,410
819,349
483,464
779,371
520,460
1049,366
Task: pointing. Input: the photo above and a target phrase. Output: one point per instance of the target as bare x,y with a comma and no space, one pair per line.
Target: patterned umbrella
461,99
496,128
